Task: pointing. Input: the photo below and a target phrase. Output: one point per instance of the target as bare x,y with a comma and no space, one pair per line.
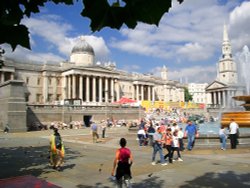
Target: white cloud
239,26
192,31
131,68
56,35
194,74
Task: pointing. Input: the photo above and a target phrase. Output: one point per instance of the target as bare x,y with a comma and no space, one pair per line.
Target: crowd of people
164,136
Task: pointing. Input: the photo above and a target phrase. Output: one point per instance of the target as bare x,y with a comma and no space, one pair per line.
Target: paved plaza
89,164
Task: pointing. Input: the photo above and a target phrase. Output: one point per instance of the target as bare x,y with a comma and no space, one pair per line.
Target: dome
83,47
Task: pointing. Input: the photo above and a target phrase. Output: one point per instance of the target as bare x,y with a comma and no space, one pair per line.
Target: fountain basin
241,118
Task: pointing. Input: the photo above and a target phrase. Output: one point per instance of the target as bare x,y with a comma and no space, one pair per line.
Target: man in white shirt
233,131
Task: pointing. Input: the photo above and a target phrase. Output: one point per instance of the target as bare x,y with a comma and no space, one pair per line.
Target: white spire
225,34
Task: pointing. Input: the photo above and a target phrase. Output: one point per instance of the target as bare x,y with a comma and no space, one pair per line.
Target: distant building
198,92
93,83
226,84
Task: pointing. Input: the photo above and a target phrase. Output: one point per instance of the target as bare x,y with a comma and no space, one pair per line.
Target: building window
38,98
50,81
58,81
27,80
50,97
58,97
38,81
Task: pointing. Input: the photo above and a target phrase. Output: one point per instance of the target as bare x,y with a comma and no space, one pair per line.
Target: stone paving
89,164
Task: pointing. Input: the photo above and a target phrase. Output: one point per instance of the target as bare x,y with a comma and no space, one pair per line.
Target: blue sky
187,41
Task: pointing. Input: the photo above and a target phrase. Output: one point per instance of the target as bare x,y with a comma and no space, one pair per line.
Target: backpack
58,141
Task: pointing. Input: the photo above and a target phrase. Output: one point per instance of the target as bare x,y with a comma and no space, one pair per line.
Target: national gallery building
93,83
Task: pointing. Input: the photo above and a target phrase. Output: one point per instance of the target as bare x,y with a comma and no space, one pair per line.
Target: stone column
106,90
153,94
64,87
69,86
224,98
142,92
100,89
12,76
133,92
81,87
137,92
87,88
2,77
219,98
117,91
74,86
94,88
149,93
45,89
112,90
215,100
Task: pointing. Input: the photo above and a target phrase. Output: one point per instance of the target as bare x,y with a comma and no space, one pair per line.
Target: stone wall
13,106
43,114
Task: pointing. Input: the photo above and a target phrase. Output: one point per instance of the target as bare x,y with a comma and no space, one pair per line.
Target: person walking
151,131
223,137
233,131
141,135
94,129
122,164
180,136
168,143
175,147
57,151
104,126
190,133
158,140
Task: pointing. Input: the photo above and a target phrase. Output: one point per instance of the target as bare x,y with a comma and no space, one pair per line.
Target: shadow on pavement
20,161
225,179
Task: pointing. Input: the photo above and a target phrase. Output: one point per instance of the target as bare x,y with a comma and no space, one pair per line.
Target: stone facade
198,92
92,83
13,106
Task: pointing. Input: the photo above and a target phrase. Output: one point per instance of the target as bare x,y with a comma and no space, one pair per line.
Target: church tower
227,70
164,73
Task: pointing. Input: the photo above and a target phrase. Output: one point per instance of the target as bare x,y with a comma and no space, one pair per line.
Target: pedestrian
141,135
175,147
94,129
180,136
151,131
233,133
223,137
104,126
158,140
168,144
190,133
57,151
6,128
122,164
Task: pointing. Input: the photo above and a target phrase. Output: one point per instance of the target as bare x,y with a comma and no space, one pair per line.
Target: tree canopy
187,95
102,13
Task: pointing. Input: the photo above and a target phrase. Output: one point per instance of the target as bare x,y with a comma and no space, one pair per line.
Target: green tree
102,13
188,96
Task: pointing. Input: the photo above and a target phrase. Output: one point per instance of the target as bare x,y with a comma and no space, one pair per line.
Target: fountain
243,117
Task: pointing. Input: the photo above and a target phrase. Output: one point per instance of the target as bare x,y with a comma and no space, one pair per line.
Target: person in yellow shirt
57,151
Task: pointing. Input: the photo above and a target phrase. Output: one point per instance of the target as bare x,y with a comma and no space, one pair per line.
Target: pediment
216,85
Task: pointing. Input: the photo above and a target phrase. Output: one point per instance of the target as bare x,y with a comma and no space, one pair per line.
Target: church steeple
226,46
227,71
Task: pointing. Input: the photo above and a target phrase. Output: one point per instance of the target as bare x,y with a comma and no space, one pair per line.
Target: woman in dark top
123,160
